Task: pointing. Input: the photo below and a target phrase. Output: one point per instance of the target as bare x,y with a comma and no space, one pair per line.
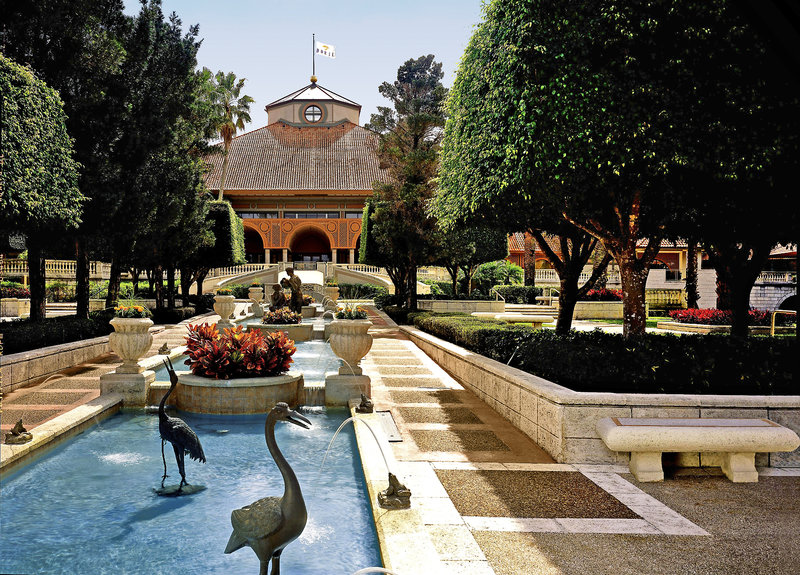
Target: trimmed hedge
519,293
361,291
175,315
651,363
25,335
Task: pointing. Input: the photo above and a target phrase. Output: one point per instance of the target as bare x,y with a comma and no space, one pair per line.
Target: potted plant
288,322
332,289
131,337
224,306
349,338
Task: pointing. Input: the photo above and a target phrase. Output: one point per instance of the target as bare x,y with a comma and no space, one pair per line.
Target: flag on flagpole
325,50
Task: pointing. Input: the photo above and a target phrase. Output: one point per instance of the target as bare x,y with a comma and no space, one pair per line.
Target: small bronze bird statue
268,525
18,434
180,435
164,349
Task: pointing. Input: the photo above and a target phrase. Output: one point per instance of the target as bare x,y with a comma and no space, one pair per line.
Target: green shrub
175,315
475,295
239,291
202,303
400,315
519,293
361,291
651,363
25,335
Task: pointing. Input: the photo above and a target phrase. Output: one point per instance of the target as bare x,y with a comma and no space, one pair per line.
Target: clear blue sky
269,42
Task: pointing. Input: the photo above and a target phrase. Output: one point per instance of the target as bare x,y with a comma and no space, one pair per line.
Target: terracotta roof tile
283,157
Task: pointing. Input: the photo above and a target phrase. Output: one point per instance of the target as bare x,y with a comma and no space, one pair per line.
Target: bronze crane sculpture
180,435
270,524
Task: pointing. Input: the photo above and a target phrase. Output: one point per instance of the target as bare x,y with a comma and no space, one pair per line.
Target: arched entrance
253,246
310,245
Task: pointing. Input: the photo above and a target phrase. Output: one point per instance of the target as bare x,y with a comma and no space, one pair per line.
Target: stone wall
461,306
562,421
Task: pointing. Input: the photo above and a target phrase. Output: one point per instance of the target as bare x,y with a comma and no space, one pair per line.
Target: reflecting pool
89,506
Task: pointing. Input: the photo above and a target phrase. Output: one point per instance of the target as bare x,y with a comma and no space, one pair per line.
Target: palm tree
232,111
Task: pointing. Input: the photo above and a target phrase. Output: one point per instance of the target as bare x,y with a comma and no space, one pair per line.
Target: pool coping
59,429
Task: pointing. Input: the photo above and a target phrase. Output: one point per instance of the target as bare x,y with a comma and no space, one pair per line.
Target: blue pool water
88,507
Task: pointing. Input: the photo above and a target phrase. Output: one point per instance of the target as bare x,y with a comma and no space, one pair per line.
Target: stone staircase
531,309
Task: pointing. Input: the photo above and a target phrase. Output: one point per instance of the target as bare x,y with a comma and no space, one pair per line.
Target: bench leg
740,467
646,466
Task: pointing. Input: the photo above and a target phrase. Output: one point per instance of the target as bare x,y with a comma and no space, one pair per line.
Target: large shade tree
609,115
38,182
410,133
489,172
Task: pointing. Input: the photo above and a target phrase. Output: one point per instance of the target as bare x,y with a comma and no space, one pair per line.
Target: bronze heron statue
180,435
270,524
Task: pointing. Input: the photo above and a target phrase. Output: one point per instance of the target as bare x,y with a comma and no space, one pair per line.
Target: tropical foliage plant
236,353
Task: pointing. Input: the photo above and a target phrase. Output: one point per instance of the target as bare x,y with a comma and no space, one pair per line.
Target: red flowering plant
603,295
308,300
282,316
717,316
236,353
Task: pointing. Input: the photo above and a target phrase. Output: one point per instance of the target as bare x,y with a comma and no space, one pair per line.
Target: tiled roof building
300,182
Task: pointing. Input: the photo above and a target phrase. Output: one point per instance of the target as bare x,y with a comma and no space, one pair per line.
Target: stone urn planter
351,342
332,292
224,306
256,294
130,340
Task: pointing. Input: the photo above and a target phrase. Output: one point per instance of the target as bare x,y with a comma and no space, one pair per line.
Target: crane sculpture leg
164,461
179,455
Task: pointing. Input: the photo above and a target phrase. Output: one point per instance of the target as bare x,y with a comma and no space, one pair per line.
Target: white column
285,255
333,255
266,255
352,256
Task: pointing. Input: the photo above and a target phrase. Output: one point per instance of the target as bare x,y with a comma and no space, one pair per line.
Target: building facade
300,182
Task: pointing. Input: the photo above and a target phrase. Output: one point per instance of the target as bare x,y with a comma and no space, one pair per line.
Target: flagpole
313,55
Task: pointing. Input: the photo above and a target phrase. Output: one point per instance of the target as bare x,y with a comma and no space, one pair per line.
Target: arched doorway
253,246
310,245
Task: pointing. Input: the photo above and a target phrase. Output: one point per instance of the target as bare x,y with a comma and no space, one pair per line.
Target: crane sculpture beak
297,419
173,377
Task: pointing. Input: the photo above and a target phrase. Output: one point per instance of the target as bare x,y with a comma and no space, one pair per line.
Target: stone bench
737,441
536,321
484,314
545,299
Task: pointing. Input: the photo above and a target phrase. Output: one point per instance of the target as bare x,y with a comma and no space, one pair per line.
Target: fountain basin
244,395
295,331
308,311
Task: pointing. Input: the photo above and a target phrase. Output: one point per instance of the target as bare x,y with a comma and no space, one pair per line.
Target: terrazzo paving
515,511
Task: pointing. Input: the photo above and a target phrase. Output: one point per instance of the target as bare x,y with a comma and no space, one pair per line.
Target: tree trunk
158,277
36,275
412,288
135,273
634,312
567,298
453,271
171,287
691,276
224,173
186,284
81,279
150,280
112,299
529,260
202,273
738,267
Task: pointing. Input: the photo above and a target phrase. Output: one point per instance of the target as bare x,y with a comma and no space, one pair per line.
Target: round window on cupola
312,114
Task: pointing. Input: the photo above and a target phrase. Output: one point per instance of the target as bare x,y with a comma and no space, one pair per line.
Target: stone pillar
267,255
285,255
352,256
333,255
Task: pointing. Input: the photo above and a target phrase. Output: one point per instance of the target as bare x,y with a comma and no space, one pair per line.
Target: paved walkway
493,502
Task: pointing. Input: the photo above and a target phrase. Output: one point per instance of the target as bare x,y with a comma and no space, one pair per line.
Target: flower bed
603,295
282,316
723,317
235,353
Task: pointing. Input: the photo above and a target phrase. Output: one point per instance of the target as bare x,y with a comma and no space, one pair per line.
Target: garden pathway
493,502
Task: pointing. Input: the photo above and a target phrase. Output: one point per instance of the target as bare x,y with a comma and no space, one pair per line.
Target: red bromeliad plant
235,353
282,316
